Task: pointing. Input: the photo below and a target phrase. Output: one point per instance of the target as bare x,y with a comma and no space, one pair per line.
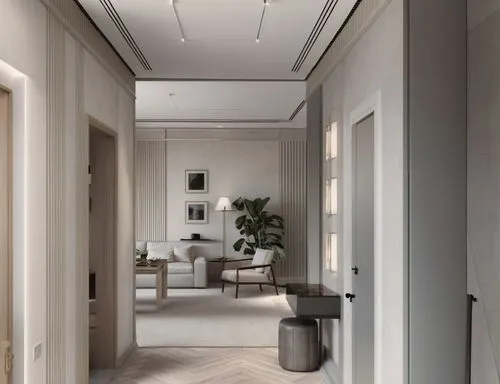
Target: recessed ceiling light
257,40
183,39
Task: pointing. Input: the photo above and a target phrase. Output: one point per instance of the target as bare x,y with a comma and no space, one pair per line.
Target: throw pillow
184,254
161,254
262,257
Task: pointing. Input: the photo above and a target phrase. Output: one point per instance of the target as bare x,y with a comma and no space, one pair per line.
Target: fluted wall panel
56,139
294,210
151,192
76,23
82,229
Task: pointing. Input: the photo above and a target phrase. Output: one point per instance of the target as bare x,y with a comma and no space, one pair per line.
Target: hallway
206,365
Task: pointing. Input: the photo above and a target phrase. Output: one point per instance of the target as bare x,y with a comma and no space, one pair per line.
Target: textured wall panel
294,210
151,192
366,13
56,139
82,230
76,23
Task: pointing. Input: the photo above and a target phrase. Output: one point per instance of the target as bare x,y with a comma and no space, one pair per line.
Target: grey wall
483,186
436,105
314,184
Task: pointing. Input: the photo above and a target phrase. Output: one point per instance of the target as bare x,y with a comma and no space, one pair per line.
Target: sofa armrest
200,272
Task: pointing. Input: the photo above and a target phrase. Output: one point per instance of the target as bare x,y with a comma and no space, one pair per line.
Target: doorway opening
363,250
102,248
5,238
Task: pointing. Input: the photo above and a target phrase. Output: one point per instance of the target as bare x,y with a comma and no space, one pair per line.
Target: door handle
350,296
355,270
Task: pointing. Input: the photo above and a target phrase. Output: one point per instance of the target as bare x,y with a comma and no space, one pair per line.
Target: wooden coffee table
160,269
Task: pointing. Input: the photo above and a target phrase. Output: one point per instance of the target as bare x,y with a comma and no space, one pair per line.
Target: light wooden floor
209,366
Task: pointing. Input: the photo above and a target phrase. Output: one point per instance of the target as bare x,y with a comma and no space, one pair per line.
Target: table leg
159,288
165,282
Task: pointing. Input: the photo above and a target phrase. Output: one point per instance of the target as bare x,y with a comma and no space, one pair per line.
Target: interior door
5,238
363,252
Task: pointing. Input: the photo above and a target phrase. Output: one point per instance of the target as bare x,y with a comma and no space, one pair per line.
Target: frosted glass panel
333,197
333,252
333,141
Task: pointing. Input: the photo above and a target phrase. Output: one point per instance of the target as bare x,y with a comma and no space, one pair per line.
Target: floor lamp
224,205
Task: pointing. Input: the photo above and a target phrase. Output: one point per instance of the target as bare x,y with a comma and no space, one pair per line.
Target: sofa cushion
140,245
176,267
245,276
261,257
162,251
184,254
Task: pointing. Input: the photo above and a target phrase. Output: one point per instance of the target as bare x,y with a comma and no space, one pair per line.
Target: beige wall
87,90
370,75
483,187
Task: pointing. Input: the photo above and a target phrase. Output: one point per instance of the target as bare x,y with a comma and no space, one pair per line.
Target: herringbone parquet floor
209,366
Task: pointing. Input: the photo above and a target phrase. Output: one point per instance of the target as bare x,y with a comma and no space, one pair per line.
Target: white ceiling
220,104
220,36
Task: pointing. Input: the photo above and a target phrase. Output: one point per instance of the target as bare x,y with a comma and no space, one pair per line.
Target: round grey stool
298,344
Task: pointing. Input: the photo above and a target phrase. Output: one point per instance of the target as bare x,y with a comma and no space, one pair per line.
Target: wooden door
5,239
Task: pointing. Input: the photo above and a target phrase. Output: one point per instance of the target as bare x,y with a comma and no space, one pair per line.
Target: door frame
371,105
112,309
10,235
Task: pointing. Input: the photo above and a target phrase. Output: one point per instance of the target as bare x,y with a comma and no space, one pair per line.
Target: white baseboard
328,372
121,360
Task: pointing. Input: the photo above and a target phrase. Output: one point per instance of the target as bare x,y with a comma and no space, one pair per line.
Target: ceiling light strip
261,20
120,25
179,25
315,33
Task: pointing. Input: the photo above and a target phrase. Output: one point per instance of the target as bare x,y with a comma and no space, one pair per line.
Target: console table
314,301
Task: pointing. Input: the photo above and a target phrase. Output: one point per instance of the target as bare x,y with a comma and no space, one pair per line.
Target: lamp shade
224,204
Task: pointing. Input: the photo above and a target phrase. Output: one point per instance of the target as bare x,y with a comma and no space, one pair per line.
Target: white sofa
186,269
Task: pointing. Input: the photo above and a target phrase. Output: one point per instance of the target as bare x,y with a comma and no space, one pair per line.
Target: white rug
208,318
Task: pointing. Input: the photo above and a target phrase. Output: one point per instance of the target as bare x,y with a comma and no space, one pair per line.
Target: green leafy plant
259,228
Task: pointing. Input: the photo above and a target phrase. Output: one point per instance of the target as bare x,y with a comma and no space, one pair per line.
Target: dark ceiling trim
127,36
315,33
85,13
297,110
334,38
214,121
221,80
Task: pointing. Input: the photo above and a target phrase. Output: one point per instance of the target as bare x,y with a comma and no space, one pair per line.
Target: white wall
25,51
373,69
483,187
246,168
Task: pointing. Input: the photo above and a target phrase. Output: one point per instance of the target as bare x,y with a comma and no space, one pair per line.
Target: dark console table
313,301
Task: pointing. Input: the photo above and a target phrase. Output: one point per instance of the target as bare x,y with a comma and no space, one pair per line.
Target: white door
5,239
363,251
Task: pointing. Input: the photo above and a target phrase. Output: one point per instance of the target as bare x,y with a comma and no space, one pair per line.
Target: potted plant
259,228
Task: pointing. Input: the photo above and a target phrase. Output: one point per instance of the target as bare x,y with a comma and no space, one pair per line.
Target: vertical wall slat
56,140
151,184
293,209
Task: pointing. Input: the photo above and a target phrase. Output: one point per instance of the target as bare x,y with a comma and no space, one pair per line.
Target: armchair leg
237,286
222,286
274,281
260,286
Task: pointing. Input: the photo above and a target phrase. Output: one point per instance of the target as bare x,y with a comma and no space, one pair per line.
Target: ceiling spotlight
266,2
183,40
171,2
257,40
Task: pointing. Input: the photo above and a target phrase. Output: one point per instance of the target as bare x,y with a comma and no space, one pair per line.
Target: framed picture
196,212
196,181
